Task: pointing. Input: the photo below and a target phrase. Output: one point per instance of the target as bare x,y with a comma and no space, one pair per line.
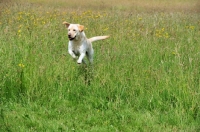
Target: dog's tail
97,38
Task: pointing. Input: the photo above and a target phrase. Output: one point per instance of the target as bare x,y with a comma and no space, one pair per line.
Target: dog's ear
66,24
80,27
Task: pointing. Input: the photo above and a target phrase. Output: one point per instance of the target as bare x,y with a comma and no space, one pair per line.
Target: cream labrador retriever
79,46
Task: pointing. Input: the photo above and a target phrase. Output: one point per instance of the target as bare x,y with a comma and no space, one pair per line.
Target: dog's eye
74,30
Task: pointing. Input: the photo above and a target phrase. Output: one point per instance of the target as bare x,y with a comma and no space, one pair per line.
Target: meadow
145,77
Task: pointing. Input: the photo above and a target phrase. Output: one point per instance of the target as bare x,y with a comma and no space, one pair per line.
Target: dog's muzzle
70,37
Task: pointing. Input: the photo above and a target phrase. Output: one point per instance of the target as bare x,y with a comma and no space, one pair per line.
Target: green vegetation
145,77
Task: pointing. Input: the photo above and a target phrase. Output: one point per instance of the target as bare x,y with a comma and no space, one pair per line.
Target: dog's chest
76,48
76,52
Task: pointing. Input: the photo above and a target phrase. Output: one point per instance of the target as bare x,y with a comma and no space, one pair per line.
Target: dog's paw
79,62
74,57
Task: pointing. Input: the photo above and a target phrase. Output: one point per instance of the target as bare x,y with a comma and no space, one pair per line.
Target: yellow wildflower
106,29
166,35
21,65
192,27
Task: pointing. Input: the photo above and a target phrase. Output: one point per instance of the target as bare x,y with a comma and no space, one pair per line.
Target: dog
79,46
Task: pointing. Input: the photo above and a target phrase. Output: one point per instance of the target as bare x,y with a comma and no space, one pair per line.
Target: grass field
145,77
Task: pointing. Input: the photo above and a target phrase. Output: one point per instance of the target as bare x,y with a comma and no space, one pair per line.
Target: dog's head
74,30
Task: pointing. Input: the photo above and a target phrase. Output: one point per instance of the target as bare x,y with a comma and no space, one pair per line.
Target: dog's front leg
72,54
80,59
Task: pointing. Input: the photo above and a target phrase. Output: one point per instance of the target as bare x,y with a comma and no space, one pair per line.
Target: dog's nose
69,35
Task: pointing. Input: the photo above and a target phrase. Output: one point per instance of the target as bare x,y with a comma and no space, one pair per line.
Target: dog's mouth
70,38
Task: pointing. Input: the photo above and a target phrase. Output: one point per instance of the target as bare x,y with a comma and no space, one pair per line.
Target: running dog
79,46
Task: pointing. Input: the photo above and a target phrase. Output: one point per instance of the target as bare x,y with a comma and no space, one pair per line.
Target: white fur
79,46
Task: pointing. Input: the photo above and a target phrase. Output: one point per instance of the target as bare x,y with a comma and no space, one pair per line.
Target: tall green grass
145,77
